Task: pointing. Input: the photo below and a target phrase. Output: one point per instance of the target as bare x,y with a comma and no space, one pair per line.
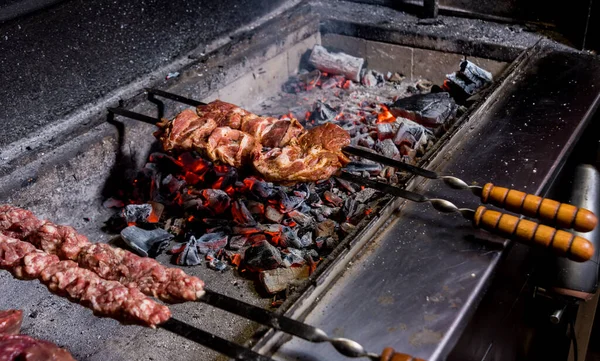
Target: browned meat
10,322
187,131
106,298
26,348
316,155
272,132
230,146
148,275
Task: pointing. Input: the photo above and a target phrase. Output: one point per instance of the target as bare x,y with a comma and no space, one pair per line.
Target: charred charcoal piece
273,215
175,226
351,128
237,242
279,279
386,130
217,264
293,257
241,214
329,83
322,113
259,189
333,198
373,78
408,153
366,140
306,239
194,163
302,219
245,231
289,238
302,190
431,109
262,256
309,80
257,209
136,213
210,242
113,203
470,78
288,203
216,200
336,63
411,133
325,229
364,195
388,149
347,227
313,199
146,243
187,253
171,185
353,209
346,185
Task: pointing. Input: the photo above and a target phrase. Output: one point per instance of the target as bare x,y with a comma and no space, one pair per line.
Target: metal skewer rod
344,346
211,341
175,97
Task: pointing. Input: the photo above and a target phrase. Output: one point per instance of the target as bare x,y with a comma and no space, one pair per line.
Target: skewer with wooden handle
562,243
548,211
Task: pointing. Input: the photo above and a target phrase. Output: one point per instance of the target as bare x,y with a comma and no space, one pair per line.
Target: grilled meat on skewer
151,277
104,297
316,155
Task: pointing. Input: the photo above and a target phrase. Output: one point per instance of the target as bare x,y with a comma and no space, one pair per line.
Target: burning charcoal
470,78
364,195
329,83
372,168
289,238
313,199
351,128
410,133
302,190
241,214
325,229
210,242
165,163
386,130
146,243
136,213
306,239
311,255
171,184
408,152
288,203
237,242
323,113
353,209
293,257
246,231
259,189
366,141
194,164
215,222
256,208
187,253
333,198
302,219
336,63
372,78
346,185
215,200
216,264
309,80
279,279
262,256
273,215
388,149
431,109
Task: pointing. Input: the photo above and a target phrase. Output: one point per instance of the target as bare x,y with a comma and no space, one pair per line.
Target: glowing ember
385,116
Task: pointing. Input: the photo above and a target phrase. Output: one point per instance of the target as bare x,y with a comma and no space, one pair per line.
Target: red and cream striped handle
562,243
548,211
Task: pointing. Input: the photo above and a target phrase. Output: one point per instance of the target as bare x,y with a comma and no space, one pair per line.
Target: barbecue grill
407,276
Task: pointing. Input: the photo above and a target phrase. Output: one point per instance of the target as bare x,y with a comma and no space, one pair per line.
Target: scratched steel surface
415,287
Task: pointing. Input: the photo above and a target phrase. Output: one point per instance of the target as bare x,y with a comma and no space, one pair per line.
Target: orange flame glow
385,116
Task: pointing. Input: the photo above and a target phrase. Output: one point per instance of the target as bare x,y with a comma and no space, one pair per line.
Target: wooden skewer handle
563,243
546,210
389,354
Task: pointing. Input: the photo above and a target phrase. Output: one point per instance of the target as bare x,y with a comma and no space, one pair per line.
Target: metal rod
134,115
431,8
211,341
175,97
368,154
344,346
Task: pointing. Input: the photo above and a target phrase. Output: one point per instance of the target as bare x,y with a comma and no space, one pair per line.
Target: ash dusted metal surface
416,286
59,59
